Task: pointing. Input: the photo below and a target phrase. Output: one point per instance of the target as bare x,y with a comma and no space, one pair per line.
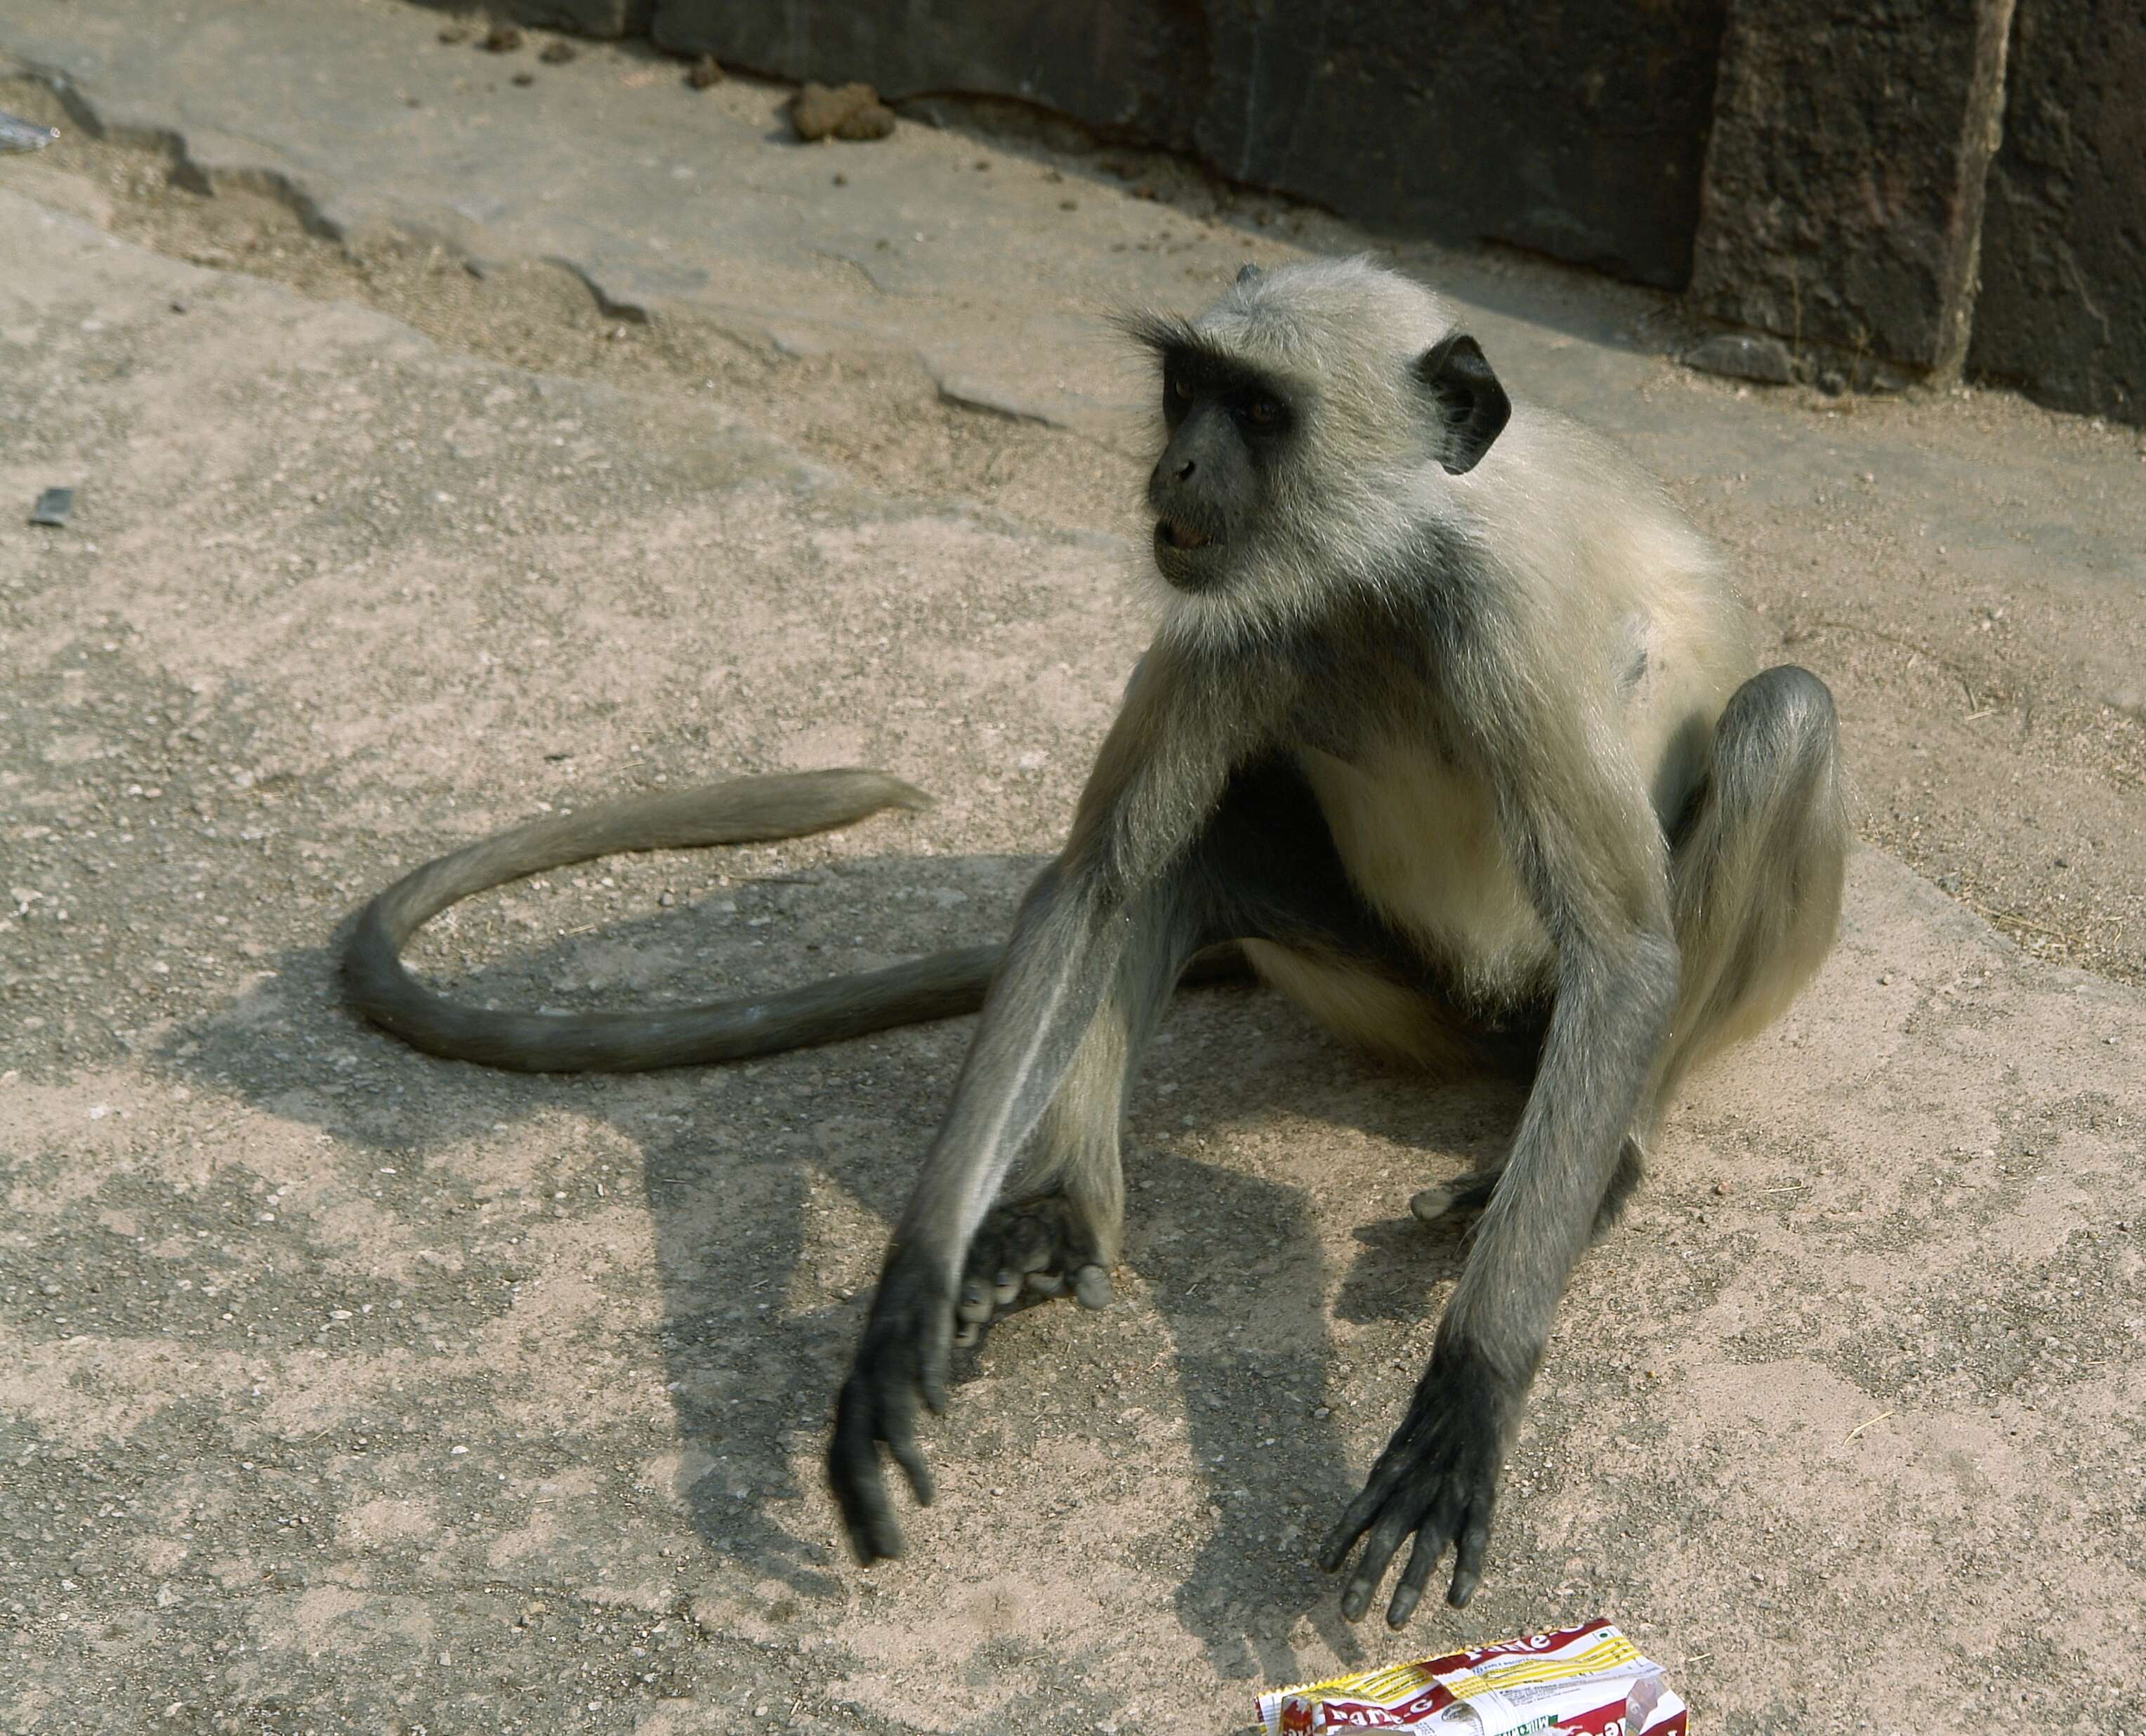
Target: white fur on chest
1420,839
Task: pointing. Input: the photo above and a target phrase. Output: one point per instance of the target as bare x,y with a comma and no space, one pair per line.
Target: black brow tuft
1186,351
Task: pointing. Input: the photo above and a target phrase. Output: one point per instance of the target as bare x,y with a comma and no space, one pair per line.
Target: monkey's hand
903,1359
1437,1479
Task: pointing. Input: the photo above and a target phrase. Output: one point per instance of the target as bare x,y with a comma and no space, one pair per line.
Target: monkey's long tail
743,810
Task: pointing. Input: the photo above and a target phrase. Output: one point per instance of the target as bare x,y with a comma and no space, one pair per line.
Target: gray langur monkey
1451,727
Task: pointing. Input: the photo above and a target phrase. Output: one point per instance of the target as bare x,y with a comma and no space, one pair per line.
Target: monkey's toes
1433,1204
1448,1198
1023,1254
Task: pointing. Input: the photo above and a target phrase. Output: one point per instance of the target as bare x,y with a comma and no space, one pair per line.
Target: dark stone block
2063,310
1741,356
1567,127
1843,186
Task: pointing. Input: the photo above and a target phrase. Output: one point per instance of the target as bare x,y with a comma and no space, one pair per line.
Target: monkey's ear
1249,274
1471,401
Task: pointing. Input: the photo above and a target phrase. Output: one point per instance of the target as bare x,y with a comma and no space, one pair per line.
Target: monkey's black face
1228,428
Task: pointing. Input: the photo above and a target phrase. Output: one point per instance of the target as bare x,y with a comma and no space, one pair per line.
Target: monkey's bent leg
1758,864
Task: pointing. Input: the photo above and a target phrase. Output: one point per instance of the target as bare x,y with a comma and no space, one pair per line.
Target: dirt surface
341,1389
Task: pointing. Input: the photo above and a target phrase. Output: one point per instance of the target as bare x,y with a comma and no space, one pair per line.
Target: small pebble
525,79
1721,1188
841,180
706,72
501,39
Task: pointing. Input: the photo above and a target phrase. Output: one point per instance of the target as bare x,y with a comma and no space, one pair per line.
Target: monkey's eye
1263,412
1181,389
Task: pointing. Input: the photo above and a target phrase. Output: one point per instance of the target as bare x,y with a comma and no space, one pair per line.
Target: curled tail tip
882,789
907,796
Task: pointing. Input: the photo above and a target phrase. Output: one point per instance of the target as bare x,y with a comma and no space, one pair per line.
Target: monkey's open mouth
1180,535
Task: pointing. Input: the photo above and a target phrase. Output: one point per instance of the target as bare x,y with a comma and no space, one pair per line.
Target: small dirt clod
705,72
501,39
848,111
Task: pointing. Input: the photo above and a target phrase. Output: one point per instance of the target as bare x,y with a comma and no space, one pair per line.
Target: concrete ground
445,448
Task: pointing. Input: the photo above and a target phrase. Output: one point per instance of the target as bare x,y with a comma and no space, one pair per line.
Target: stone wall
2063,313
1821,170
1844,189
1567,127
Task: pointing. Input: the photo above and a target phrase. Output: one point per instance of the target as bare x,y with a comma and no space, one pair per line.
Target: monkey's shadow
1244,1295
741,1167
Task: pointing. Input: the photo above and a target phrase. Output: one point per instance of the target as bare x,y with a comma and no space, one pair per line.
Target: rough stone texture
1563,126
1843,193
587,17
2063,310
1742,356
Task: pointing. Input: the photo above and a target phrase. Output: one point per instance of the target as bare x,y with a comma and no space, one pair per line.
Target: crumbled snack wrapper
1588,1678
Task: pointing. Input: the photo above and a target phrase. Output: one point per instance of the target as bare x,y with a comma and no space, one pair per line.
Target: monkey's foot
1024,1253
1469,1193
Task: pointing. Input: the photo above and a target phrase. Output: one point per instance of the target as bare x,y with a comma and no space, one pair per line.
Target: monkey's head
1310,416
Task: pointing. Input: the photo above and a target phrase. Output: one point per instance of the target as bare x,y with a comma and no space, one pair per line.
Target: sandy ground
347,1390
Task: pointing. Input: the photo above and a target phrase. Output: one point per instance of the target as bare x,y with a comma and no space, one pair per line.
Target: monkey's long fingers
909,1456
1355,1519
1386,1536
863,1419
1430,1538
1468,1554
853,1472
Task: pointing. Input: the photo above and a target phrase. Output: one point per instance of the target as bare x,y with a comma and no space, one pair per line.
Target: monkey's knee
1778,736
1760,865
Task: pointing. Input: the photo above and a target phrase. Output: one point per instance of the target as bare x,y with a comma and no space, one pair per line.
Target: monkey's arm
1064,948
1114,887
1616,990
